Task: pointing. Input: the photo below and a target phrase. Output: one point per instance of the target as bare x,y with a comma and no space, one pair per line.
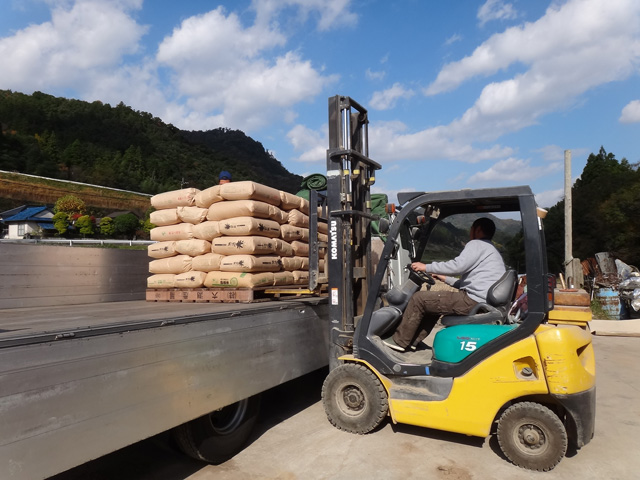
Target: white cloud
312,143
560,51
83,40
631,112
371,75
386,99
512,170
453,39
330,13
496,10
549,198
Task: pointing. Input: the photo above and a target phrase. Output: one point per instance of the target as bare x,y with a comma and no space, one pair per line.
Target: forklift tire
218,436
354,399
532,436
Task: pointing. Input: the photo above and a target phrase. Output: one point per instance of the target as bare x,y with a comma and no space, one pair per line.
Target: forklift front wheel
532,436
354,398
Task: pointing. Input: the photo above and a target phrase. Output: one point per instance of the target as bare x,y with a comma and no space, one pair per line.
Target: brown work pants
423,311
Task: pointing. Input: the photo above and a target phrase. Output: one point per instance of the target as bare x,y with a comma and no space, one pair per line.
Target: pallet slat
218,295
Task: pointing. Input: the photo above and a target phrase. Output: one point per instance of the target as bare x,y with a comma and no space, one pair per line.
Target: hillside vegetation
123,148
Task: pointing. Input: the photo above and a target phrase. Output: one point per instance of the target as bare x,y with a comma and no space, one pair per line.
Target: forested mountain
123,148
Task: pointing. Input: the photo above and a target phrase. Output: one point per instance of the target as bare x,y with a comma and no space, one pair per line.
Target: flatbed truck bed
80,381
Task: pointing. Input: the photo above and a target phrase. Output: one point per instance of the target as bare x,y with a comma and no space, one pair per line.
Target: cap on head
224,175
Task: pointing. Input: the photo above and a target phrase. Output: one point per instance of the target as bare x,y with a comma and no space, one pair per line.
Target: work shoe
391,343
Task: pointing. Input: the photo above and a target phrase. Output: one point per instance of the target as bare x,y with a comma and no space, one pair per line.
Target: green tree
107,228
61,222
70,204
126,225
85,225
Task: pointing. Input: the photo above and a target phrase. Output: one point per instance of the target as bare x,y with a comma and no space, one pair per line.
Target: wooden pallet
222,295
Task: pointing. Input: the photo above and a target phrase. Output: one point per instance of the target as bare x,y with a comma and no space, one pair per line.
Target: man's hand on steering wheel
420,270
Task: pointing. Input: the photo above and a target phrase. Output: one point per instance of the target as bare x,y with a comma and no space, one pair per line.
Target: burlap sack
300,277
300,249
250,263
192,215
289,201
298,219
175,198
243,226
291,232
283,278
207,262
292,263
208,197
193,247
254,245
283,248
238,280
175,265
162,249
248,190
207,230
190,279
181,231
239,208
162,218
161,281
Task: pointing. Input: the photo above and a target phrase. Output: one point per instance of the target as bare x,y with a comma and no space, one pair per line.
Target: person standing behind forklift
225,177
479,266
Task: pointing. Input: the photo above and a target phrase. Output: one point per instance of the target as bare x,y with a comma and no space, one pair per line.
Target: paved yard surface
295,441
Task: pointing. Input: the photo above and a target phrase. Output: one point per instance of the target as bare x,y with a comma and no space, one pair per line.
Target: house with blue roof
27,221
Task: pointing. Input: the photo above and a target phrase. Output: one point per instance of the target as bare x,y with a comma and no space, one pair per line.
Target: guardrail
76,241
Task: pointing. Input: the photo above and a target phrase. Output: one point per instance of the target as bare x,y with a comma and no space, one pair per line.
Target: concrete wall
44,275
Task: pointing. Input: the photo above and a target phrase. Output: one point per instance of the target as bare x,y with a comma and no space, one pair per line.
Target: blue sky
464,94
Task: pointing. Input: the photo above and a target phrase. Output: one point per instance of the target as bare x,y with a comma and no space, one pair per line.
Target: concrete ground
294,440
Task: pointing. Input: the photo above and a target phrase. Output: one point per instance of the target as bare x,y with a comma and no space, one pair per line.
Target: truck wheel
532,436
354,399
218,436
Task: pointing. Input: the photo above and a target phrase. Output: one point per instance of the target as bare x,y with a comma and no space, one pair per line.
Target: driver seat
495,311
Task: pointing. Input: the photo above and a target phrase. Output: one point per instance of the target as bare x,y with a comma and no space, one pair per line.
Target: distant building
26,221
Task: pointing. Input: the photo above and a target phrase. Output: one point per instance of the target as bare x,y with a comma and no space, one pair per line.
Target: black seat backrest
495,311
501,292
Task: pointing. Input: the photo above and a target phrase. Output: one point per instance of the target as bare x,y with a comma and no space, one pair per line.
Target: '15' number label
468,346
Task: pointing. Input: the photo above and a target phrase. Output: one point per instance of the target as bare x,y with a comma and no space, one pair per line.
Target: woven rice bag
162,218
208,197
207,230
241,280
300,249
283,278
289,201
190,279
175,198
165,280
248,190
304,206
323,228
300,277
207,262
250,263
182,231
298,219
293,263
162,249
175,265
249,226
291,232
283,248
254,245
192,215
193,247
239,208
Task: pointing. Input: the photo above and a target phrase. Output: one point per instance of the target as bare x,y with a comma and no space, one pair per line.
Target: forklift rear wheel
221,434
532,436
354,399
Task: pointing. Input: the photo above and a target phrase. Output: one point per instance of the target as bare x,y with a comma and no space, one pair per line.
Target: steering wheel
424,277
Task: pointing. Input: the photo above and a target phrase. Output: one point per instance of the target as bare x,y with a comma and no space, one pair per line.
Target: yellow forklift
528,378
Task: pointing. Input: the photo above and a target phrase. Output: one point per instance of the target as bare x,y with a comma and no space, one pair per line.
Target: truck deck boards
43,324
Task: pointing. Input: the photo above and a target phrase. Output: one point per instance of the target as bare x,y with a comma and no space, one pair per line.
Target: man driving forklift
479,266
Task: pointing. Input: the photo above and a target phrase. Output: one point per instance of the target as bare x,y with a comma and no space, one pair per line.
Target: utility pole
568,232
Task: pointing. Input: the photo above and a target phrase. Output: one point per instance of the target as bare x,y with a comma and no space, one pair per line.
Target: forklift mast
350,175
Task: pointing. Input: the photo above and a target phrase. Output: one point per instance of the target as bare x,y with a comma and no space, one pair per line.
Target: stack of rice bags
240,234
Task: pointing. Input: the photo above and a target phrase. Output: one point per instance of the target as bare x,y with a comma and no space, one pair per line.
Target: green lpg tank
454,344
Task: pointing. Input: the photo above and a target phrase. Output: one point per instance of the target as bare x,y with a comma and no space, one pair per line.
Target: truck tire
532,436
354,398
218,436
